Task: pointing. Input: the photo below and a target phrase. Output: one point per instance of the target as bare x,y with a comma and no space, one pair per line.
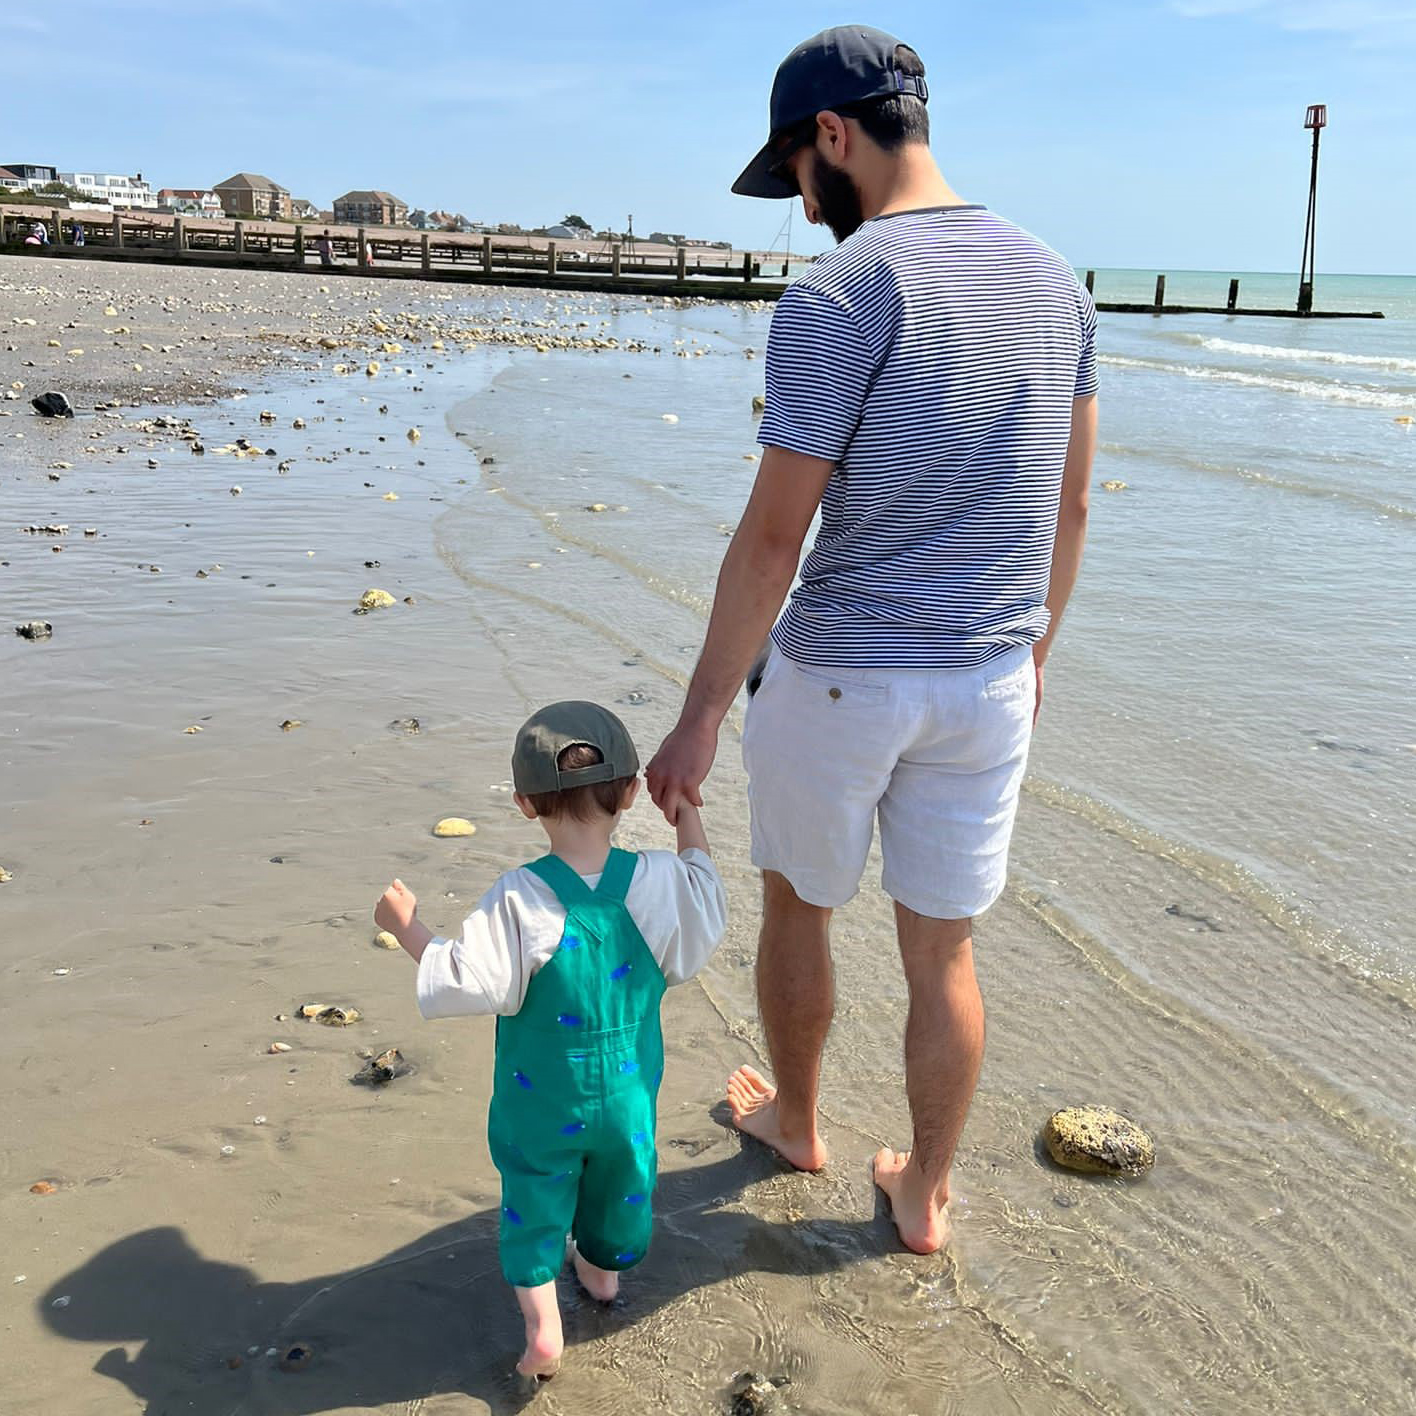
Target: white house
189,201
112,187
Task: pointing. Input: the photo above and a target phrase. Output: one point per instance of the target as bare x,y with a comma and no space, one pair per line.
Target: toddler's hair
581,803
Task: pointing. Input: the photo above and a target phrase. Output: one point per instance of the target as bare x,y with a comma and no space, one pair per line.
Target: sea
1212,915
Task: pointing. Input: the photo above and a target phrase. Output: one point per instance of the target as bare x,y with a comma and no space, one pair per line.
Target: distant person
326,249
79,233
40,232
931,388
572,953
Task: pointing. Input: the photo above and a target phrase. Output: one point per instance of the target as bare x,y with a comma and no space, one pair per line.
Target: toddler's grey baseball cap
548,732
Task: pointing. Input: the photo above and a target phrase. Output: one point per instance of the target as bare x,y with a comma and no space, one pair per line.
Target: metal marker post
1315,121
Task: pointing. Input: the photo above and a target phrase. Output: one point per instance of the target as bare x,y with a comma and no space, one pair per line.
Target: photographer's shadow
434,1316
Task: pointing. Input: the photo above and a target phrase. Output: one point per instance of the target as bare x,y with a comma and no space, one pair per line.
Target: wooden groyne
395,254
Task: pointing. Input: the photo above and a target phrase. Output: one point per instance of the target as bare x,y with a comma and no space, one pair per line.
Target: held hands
680,767
396,910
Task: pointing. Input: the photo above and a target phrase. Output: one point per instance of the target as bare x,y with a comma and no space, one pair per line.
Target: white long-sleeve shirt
677,901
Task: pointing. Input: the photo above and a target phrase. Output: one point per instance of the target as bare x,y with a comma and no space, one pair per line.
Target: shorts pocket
1014,681
839,688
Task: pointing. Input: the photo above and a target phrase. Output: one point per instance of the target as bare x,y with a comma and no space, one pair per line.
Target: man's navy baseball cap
831,69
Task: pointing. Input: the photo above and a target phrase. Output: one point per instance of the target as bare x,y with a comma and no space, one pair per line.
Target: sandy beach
206,1206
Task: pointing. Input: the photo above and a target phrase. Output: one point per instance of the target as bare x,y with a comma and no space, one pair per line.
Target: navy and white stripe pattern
933,356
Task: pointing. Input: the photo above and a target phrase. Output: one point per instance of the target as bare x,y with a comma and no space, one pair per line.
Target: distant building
303,210
31,174
10,182
561,232
370,209
189,201
250,194
111,187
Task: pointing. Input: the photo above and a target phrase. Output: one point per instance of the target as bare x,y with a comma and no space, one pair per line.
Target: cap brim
758,180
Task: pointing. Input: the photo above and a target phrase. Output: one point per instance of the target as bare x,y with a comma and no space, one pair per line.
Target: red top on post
1317,116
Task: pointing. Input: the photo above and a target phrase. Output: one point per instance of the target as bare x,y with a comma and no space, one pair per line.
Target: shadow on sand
430,1318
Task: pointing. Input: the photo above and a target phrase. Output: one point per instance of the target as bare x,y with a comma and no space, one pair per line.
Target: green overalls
572,1120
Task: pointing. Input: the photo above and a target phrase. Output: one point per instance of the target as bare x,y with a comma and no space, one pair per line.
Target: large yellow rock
1098,1141
454,826
374,600
385,940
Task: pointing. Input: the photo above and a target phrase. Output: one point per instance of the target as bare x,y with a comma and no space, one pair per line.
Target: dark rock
52,405
752,1394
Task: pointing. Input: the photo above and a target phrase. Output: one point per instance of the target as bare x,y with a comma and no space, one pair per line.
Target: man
931,387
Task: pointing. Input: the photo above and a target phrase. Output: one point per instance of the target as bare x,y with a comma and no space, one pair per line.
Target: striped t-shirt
933,356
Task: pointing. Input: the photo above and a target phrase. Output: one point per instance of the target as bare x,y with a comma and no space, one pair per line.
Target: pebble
454,826
62,973
1114,485
228,1150
669,417
414,434
1098,1141
374,599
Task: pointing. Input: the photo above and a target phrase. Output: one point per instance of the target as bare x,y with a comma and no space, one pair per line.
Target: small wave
1215,345
1356,395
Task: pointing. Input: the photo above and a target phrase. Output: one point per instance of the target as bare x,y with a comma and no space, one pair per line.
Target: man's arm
1071,526
756,574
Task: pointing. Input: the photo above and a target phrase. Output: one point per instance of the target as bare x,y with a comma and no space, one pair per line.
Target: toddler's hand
397,909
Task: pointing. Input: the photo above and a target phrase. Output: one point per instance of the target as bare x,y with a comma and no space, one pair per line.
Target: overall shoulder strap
618,874
569,888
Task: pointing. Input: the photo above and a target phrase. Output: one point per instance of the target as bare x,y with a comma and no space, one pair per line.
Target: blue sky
1154,133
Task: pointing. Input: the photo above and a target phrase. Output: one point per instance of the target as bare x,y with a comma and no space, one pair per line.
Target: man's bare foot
603,1285
753,1102
921,1217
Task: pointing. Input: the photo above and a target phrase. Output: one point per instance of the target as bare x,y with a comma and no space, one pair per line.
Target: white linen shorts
938,755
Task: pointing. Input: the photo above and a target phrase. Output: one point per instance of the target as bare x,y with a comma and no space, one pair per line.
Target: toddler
573,953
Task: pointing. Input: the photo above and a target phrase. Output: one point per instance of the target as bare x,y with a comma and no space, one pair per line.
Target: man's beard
837,197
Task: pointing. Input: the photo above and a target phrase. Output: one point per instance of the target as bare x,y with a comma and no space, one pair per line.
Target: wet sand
174,892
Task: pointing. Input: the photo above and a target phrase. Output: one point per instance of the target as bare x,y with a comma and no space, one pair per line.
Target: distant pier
396,254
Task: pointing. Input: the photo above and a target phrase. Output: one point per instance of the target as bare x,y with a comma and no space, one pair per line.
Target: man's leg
943,1053
796,996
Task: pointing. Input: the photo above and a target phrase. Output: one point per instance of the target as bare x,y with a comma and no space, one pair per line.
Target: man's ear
527,810
832,137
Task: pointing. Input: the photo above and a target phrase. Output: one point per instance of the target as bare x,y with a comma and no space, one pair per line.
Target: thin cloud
1366,22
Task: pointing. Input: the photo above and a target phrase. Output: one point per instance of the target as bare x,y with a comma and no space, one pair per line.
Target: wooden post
1159,291
58,226
550,257
615,268
179,233
487,254
118,229
427,254
747,267
1091,282
682,272
238,237
363,248
300,244
1233,294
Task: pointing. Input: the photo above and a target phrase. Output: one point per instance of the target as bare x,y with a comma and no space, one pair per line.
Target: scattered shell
414,434
331,1014
235,491
228,1150
259,1121
267,416
277,1047
406,725
1404,418
759,404
669,417
297,1358
290,724
44,1187
195,728
298,423
374,599
390,496
35,629
62,1301
378,1071
385,940
5,875
1098,1141
1114,485
109,312
371,368
597,506
454,826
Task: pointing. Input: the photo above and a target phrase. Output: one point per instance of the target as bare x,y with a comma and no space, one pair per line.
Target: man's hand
396,910
680,767
1037,704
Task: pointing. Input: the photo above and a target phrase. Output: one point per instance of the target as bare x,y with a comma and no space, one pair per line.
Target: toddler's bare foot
601,1284
544,1340
753,1102
921,1214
